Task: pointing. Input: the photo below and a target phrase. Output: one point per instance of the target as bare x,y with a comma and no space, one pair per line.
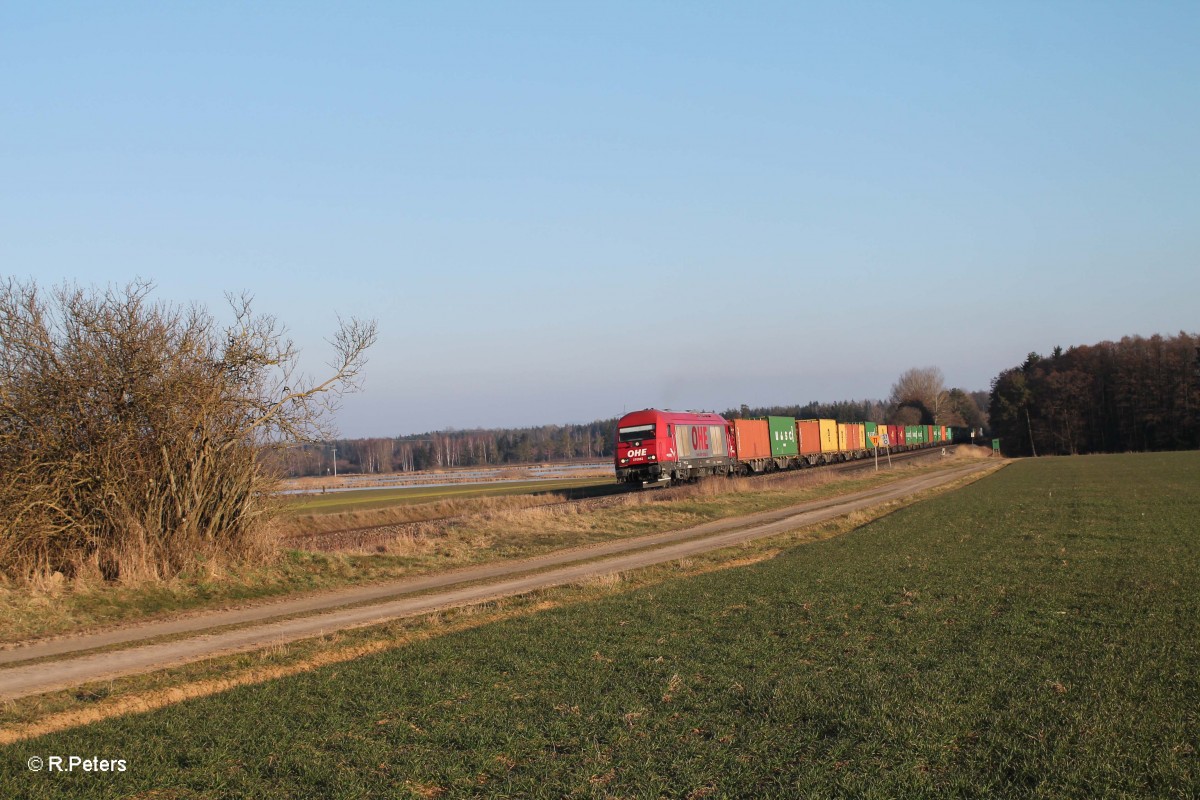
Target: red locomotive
660,446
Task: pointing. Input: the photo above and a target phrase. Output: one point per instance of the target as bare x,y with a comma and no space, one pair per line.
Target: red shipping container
896,435
752,439
858,436
808,434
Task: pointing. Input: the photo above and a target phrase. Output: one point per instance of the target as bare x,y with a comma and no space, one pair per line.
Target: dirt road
317,615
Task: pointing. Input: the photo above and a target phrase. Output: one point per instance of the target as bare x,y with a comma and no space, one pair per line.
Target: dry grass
724,487
307,524
497,507
608,580
355,480
502,529
971,453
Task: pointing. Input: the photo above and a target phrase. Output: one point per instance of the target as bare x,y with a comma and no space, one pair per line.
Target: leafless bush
130,431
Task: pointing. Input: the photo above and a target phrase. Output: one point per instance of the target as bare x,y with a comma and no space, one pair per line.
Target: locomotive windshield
635,433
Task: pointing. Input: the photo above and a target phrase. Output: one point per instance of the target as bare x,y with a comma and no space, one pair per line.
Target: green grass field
1035,634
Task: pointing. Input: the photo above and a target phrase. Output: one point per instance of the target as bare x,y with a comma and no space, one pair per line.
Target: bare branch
130,431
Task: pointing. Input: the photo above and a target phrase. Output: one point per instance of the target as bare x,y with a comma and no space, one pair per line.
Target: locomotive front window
635,433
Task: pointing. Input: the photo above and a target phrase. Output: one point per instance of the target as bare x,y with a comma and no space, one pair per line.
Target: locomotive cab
639,449
656,447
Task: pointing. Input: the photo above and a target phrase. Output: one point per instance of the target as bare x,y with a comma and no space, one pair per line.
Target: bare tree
923,388
130,431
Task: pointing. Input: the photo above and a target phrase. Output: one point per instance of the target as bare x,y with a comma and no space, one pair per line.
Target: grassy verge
370,499
490,535
1036,634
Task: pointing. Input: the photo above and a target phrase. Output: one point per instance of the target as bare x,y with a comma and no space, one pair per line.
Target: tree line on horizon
449,449
918,397
1137,394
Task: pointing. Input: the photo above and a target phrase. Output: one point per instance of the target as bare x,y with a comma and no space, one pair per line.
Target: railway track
596,498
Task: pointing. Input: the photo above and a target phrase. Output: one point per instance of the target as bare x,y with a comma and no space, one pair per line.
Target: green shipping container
783,436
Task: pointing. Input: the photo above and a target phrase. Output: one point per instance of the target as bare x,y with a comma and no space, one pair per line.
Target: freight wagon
657,447
752,443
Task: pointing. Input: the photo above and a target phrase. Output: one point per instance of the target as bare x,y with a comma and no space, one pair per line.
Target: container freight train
657,447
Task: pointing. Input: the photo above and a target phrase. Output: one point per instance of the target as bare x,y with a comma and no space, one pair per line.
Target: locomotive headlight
652,458
624,460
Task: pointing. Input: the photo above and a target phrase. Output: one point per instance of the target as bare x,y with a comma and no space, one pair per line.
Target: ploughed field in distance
1034,634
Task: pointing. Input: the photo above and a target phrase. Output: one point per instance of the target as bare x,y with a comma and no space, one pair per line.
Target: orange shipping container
808,433
858,436
829,434
751,438
851,436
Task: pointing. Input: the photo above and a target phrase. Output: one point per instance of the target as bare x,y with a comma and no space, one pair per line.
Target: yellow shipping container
843,436
829,434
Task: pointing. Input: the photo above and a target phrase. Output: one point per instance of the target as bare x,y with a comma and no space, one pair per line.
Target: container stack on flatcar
752,444
657,447
785,451
808,434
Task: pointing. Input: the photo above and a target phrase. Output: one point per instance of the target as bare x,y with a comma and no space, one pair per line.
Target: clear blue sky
558,211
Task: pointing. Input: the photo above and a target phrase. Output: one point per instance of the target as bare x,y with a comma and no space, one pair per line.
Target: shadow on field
585,492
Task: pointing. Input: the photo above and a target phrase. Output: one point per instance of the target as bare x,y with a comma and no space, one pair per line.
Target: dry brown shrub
969,452
130,431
